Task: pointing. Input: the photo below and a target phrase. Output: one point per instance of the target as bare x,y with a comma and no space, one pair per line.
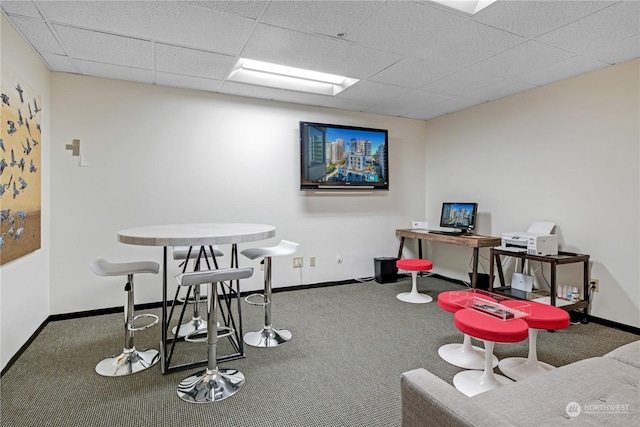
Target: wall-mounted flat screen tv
343,157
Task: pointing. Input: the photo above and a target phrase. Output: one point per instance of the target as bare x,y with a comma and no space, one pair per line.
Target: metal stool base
195,325
267,337
128,362
208,386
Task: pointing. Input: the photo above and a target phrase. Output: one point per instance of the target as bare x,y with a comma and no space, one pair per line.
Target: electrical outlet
297,262
595,283
312,261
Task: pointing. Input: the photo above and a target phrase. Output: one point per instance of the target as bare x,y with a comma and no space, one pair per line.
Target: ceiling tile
371,92
23,8
286,47
345,104
617,22
116,72
328,17
445,107
352,60
498,90
617,52
533,18
460,82
107,48
179,60
248,9
38,34
521,59
301,98
561,70
407,102
173,22
413,72
187,82
404,27
470,43
240,89
59,63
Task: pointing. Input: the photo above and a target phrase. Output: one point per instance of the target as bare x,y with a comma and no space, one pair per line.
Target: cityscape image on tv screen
457,214
348,155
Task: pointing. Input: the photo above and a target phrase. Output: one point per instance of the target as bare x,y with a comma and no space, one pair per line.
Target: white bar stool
211,384
268,336
197,254
130,360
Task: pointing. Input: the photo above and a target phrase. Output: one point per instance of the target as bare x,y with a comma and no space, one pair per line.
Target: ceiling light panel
470,7
283,77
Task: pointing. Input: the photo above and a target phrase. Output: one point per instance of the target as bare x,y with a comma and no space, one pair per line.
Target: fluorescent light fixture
468,6
282,77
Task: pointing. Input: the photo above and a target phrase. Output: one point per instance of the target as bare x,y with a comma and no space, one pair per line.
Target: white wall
24,282
162,155
567,153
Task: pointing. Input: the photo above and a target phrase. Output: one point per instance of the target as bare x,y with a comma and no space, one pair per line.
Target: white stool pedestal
414,296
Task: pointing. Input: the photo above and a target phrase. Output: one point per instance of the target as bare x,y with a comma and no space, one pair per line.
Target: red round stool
414,265
491,330
542,317
463,355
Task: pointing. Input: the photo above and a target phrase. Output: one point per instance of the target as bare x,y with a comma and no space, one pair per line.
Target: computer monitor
459,215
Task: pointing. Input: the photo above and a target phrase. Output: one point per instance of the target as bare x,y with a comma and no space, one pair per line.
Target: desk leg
165,321
585,292
474,275
500,271
491,255
552,285
401,247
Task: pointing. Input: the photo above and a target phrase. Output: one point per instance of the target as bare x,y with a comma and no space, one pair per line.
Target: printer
538,240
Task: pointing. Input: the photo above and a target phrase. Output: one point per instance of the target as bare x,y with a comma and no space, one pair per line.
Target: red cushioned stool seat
414,265
491,330
462,355
542,316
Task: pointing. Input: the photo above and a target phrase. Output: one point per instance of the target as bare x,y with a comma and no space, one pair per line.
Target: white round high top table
199,234
202,234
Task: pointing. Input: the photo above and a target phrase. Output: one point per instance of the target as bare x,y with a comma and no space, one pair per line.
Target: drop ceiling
414,59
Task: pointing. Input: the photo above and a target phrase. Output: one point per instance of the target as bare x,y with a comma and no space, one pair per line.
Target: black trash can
483,281
385,269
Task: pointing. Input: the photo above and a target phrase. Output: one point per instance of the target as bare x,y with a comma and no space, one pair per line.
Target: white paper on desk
541,227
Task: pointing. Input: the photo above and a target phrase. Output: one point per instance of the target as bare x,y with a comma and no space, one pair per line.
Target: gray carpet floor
350,345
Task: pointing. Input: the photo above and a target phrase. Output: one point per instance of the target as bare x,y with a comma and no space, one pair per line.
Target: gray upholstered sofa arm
429,401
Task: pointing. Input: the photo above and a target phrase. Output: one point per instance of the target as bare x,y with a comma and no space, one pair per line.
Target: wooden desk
473,241
554,260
